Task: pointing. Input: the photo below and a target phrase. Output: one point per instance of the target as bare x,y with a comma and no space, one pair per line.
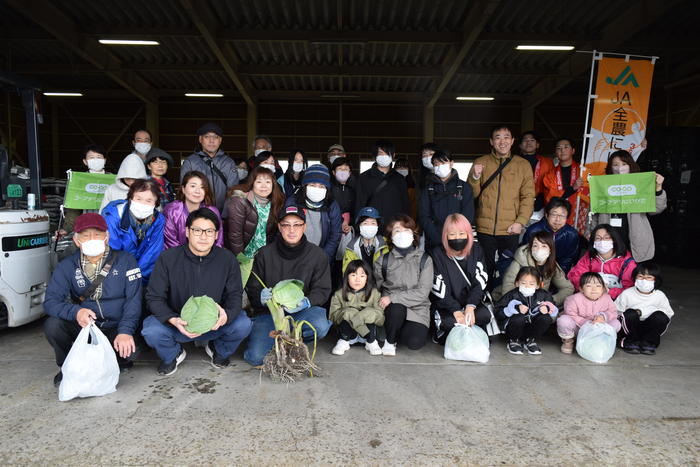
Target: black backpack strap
493,176
376,191
99,279
622,269
210,162
385,265
423,260
460,187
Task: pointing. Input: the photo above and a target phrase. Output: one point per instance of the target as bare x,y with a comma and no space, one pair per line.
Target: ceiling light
203,94
474,98
545,47
127,42
64,94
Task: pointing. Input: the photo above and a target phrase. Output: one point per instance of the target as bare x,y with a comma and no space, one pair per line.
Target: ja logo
626,75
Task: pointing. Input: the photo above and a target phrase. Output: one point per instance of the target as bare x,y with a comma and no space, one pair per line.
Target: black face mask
458,244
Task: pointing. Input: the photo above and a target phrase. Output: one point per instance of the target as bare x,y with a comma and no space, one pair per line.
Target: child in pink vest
592,304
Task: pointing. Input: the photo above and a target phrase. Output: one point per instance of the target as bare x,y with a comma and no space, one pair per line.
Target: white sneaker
357,340
389,350
341,347
373,348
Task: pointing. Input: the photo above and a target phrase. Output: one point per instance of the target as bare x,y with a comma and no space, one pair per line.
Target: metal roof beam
205,20
475,22
49,17
629,23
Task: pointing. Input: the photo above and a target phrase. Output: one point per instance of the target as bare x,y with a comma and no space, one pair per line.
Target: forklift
25,258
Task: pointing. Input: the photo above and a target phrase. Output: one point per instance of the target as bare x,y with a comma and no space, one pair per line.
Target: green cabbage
201,314
288,293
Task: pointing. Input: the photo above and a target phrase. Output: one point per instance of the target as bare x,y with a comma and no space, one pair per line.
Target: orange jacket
544,166
553,186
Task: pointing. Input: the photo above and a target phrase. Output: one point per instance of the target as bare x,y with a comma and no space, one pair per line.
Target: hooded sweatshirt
132,167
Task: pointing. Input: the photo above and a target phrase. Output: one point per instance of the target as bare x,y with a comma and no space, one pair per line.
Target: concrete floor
416,408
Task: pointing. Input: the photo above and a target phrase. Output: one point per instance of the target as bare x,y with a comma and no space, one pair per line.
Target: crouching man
93,284
289,256
192,270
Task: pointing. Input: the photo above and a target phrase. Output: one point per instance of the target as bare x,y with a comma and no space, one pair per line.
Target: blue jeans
260,342
166,339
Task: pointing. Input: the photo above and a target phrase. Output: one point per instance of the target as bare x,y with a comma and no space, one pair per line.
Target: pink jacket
611,266
175,218
581,309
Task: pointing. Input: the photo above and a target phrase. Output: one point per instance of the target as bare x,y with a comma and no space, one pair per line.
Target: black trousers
643,332
412,335
348,333
61,334
492,244
445,321
519,327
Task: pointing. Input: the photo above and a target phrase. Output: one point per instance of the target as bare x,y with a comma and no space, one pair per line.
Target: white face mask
258,151
342,175
298,167
383,160
603,246
403,172
427,162
621,169
644,286
368,231
242,173
140,210
96,165
332,159
527,291
315,194
93,247
443,170
402,239
540,255
270,167
142,148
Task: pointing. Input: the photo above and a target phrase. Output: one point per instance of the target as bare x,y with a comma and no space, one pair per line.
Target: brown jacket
242,221
509,198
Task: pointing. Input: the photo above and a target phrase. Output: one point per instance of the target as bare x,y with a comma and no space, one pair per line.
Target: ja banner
85,190
617,194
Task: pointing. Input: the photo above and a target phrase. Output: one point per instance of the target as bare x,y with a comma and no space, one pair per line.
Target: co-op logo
622,190
97,188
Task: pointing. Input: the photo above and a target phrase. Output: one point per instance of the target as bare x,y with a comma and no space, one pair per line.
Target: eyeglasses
211,137
291,226
198,232
557,216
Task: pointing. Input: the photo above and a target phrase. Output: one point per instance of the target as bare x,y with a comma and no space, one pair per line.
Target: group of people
383,259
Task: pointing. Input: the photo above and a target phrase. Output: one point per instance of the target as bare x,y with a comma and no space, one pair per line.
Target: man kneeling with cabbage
195,294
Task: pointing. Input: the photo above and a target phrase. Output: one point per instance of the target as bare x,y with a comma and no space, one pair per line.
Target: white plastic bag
596,342
468,343
90,369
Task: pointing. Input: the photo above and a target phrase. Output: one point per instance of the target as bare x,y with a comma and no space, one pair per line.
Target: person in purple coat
194,193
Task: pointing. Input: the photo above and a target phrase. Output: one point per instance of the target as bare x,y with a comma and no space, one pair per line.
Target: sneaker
647,349
532,347
217,361
373,347
389,350
341,347
167,369
357,340
567,345
631,347
514,347
57,379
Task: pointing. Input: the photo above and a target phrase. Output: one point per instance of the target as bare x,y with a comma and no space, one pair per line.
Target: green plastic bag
201,314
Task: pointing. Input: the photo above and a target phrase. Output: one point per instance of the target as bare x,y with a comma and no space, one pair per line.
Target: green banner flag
85,190
617,194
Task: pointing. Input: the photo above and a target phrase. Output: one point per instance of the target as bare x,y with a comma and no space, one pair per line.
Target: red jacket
613,266
553,186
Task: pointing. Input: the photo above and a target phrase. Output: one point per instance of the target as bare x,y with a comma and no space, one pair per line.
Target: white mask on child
527,291
644,285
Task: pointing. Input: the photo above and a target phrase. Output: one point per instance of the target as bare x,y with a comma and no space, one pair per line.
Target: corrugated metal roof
407,64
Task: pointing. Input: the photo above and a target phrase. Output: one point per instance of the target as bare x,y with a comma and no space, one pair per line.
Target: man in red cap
95,284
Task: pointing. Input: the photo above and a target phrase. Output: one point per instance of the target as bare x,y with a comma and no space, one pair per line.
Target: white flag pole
587,132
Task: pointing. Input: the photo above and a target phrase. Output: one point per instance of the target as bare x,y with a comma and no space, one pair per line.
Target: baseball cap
90,220
292,211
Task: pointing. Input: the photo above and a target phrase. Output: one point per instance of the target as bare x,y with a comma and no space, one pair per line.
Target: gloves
265,295
303,305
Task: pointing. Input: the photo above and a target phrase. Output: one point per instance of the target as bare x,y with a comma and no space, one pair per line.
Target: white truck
24,265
